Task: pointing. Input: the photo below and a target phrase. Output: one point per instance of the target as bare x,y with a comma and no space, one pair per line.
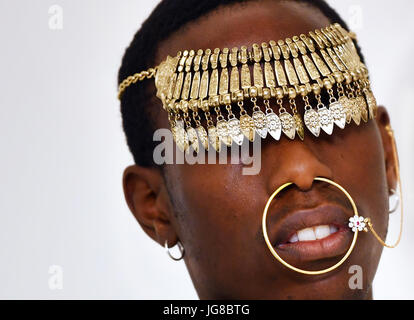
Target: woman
285,232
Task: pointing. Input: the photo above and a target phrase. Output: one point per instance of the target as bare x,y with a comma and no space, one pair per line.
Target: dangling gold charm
356,112
203,137
372,104
362,107
299,126
181,137
311,118
223,132
214,138
274,127
288,125
259,120
343,100
326,119
247,127
234,131
338,113
192,138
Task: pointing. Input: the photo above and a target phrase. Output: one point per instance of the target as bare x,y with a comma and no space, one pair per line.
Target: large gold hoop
275,254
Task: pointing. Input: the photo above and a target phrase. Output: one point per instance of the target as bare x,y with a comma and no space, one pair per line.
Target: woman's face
216,211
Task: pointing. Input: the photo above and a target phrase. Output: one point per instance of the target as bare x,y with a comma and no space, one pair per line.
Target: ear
383,121
148,200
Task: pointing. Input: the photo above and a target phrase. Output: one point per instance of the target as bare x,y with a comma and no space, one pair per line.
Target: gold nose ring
310,272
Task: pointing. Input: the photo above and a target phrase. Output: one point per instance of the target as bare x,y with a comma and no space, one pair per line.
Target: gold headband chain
325,59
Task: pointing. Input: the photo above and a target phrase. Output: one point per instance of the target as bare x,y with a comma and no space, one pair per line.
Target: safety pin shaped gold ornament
357,223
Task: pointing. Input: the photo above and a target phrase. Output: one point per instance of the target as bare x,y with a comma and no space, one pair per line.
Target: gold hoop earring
397,172
309,272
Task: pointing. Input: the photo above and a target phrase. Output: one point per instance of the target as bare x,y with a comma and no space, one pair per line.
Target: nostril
303,178
302,183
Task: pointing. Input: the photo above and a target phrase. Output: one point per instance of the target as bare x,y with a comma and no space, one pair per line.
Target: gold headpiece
325,59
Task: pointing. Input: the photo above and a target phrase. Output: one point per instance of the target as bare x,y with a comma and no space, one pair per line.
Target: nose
297,162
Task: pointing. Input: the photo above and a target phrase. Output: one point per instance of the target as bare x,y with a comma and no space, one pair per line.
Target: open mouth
313,234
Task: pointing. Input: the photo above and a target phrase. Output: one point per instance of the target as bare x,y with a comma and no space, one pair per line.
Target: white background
63,150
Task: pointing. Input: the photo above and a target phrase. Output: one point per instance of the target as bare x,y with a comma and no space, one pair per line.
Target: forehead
244,24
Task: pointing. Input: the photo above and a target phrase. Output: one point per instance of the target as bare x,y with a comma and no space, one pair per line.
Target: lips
312,234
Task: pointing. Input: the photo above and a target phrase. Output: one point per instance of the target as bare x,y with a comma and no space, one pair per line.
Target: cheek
214,200
221,219
361,166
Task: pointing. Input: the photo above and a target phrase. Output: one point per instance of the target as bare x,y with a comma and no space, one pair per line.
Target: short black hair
168,17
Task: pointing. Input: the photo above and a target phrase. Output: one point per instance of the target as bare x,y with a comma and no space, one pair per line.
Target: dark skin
216,212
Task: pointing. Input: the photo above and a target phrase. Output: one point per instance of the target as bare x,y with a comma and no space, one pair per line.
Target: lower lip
332,246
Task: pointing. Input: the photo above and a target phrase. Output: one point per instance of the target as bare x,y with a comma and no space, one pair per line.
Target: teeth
332,229
306,234
313,233
294,238
322,231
